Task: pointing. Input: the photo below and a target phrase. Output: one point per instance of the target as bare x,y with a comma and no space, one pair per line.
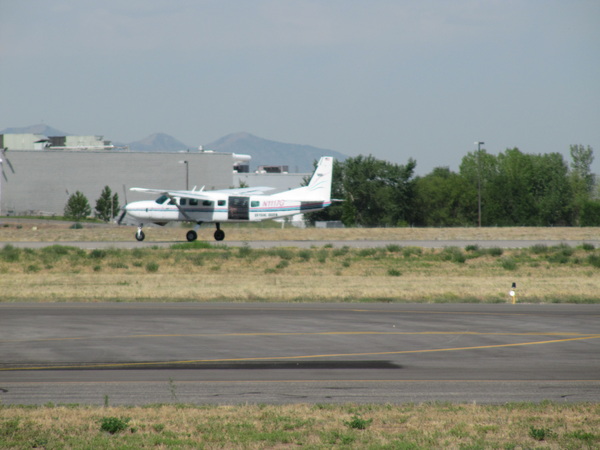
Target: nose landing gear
139,234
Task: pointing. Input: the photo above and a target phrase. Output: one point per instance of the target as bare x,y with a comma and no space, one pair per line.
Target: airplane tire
219,235
191,236
140,236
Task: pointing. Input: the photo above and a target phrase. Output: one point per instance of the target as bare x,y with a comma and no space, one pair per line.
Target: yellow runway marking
318,333
292,358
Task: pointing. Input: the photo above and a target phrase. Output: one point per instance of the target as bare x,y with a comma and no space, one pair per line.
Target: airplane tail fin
319,186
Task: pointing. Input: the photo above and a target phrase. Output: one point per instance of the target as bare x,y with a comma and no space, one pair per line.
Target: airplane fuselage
226,208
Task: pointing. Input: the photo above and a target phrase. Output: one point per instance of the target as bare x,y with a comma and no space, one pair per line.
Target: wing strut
181,210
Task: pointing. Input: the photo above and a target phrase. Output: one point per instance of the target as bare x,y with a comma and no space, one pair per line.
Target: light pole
479,144
187,174
1,175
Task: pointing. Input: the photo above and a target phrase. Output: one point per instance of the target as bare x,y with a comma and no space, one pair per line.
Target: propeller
122,216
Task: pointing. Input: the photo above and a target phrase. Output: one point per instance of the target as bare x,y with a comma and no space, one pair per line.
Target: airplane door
238,208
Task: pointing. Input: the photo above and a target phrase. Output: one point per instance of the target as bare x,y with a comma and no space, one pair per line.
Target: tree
582,181
107,206
77,207
551,191
478,169
376,192
581,172
519,189
445,199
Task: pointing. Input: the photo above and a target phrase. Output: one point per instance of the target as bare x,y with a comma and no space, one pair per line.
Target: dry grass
316,426
288,274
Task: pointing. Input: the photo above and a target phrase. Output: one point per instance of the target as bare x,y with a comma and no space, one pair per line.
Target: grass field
392,273
321,426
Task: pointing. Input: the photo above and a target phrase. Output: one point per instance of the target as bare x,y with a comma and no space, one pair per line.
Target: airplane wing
205,195
245,191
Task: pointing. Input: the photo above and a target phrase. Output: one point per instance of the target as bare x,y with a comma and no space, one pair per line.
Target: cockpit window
163,199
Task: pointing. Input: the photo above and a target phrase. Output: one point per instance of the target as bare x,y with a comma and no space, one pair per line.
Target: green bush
495,251
594,260
539,249
508,264
305,255
540,434
393,248
358,423
152,267
10,253
282,264
113,425
98,254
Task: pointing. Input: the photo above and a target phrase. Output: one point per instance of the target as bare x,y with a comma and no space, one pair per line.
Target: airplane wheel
191,236
140,236
219,235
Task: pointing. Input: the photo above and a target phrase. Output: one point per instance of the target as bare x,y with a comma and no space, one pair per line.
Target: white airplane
231,205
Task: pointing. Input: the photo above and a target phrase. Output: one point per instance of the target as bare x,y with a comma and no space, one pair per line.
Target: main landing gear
219,234
191,235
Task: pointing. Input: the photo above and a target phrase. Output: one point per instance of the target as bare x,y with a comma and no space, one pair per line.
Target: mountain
35,129
298,158
158,142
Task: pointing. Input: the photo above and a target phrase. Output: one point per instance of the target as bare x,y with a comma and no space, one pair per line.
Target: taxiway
134,354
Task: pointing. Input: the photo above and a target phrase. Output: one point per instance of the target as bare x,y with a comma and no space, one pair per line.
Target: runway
509,243
135,354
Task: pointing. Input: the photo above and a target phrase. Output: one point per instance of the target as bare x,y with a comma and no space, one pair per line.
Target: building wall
40,182
21,141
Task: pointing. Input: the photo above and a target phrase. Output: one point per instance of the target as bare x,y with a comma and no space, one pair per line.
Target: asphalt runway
308,244
211,353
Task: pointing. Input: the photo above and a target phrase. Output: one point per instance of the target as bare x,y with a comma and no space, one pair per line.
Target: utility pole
479,144
187,174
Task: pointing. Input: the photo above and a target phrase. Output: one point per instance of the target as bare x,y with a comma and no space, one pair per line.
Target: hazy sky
391,78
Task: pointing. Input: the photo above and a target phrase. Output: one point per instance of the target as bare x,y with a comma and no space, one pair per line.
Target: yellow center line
318,333
299,357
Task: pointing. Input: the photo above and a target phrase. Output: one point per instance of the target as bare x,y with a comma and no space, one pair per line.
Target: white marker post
513,293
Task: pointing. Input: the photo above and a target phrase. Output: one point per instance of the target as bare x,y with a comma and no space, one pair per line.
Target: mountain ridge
298,157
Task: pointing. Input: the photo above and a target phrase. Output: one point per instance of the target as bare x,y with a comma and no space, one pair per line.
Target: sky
392,78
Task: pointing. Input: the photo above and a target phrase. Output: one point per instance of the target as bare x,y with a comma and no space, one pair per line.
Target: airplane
230,205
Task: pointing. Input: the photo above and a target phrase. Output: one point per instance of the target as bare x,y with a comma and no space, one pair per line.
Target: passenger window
254,204
221,203
207,203
183,201
193,202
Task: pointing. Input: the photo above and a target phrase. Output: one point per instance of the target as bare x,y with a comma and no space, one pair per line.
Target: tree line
78,206
509,189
